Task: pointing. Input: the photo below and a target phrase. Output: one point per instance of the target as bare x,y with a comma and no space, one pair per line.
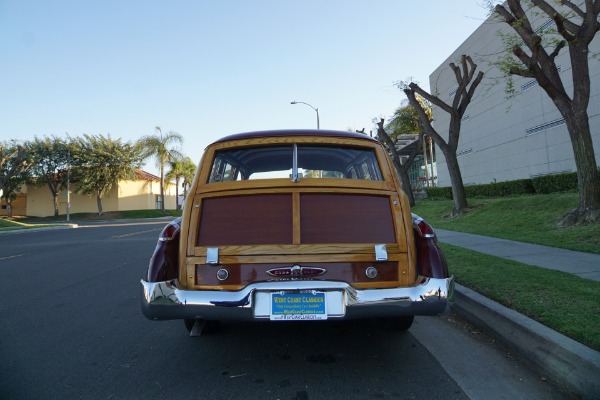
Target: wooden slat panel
255,219
245,274
347,218
274,184
296,232
392,248
295,258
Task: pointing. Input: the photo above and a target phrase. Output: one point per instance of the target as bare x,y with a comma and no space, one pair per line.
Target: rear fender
431,261
163,265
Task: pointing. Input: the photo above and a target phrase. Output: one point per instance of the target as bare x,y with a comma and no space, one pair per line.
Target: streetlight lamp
316,109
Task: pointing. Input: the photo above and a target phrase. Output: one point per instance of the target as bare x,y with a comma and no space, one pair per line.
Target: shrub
545,184
555,183
501,189
439,193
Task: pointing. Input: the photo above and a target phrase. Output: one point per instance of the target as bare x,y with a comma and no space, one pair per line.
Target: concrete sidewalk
584,265
565,361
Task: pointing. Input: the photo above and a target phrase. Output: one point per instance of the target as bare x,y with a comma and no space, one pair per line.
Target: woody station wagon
296,225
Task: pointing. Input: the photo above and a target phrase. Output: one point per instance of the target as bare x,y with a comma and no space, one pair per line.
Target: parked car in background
296,225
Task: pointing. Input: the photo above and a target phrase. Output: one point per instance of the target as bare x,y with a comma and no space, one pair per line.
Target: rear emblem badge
296,271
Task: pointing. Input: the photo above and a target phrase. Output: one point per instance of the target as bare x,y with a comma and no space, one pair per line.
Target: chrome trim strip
164,300
296,271
295,176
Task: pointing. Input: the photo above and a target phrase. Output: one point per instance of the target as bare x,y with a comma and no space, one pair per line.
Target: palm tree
158,146
189,170
181,169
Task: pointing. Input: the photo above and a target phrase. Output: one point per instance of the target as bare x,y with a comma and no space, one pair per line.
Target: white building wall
498,139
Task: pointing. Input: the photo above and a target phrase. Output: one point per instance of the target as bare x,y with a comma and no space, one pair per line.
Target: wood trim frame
402,251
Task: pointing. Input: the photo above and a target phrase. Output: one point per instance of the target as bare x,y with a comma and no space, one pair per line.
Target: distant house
142,193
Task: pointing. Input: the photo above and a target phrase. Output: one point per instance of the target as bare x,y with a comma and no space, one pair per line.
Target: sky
207,69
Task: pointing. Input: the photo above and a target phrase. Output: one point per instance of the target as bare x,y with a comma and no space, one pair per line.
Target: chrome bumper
164,300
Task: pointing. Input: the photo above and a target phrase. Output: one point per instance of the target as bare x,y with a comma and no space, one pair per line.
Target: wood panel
329,248
245,274
250,220
345,218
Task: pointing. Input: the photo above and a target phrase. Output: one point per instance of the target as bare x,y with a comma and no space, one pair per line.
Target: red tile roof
145,176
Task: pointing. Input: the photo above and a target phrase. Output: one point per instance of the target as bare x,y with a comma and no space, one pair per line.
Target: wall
128,195
141,195
19,206
505,139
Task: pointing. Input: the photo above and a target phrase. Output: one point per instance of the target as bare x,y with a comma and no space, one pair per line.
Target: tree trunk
162,188
400,169
177,193
55,198
99,203
588,181
405,182
459,195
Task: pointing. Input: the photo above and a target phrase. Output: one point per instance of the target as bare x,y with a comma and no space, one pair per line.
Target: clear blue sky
207,69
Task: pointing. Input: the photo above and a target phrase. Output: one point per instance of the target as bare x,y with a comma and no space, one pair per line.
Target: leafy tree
52,158
14,164
101,162
406,121
465,75
533,56
158,146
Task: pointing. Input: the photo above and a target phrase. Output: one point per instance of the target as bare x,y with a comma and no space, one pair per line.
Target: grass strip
530,219
7,225
565,303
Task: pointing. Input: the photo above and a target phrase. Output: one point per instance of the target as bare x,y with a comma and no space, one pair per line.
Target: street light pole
316,109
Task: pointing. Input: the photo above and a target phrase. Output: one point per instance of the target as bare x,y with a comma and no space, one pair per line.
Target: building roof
145,176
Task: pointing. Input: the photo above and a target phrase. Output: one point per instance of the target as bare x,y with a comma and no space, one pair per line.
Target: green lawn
564,302
38,222
561,301
531,219
9,225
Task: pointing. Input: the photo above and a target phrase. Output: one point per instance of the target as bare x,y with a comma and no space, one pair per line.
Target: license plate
298,306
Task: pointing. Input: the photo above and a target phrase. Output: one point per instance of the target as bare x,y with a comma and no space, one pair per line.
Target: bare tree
401,169
465,75
577,24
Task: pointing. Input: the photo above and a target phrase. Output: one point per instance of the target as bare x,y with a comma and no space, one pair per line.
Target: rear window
295,162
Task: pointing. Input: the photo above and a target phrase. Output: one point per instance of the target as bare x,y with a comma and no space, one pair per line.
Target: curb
565,361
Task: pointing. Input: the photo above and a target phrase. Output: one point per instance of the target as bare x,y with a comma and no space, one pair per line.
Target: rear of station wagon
296,225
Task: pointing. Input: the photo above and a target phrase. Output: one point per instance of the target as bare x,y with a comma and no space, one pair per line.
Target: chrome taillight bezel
422,227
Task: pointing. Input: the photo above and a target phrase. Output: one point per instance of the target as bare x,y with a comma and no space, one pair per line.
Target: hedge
540,185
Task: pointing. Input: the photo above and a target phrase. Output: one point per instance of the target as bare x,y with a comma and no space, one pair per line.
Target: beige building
143,193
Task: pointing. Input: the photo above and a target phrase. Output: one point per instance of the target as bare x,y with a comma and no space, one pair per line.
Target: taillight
422,227
169,231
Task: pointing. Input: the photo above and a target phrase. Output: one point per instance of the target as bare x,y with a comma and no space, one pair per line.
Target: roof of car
295,132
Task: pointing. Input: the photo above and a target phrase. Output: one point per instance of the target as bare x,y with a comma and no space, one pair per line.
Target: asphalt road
71,328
